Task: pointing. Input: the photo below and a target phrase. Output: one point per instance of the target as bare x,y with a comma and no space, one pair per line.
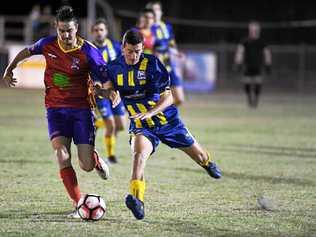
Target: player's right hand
9,80
115,98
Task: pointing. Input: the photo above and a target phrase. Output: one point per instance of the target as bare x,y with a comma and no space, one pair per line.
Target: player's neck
103,43
69,46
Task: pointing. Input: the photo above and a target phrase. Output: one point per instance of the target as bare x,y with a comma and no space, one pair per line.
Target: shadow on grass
51,216
262,178
294,152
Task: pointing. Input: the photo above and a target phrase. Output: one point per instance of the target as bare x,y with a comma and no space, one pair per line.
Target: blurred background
206,32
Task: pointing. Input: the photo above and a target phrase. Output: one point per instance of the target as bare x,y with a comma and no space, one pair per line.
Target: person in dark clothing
252,56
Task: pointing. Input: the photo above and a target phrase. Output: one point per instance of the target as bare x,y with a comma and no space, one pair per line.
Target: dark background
214,11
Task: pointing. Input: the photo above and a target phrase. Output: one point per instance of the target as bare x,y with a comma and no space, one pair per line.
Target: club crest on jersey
141,75
75,63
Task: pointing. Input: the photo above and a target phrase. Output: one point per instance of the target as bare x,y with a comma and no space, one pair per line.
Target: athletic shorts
252,79
71,123
106,110
174,135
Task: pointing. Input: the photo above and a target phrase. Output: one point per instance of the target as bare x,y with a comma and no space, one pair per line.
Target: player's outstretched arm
8,74
165,100
106,90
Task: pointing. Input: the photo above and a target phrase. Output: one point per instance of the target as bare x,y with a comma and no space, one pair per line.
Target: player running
165,45
113,119
143,83
70,60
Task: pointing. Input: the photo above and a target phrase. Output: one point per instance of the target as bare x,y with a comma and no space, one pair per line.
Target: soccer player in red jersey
71,63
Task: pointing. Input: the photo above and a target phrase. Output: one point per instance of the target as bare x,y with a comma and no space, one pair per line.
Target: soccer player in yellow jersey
112,118
143,83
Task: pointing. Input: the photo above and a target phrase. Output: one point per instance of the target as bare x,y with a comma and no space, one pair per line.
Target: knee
119,128
86,163
110,127
62,153
86,167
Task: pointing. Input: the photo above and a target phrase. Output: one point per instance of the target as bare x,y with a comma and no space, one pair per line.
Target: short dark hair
132,37
147,10
100,21
66,13
150,4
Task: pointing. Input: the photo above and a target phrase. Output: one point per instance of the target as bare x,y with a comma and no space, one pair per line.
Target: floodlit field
268,153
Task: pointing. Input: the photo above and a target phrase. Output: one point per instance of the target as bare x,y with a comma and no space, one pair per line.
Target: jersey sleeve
37,47
117,47
171,33
161,78
97,65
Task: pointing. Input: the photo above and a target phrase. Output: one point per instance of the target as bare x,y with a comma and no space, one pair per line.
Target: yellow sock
137,189
99,123
109,143
208,160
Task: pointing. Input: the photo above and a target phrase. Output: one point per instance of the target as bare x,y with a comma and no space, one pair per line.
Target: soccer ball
91,207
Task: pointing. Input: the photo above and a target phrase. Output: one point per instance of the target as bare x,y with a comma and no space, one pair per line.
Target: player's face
99,32
67,31
158,11
149,20
254,30
132,53
141,22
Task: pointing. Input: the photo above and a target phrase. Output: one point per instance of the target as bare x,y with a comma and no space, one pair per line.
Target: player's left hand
142,116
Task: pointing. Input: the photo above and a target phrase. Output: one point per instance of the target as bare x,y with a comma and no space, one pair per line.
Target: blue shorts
174,135
175,80
106,110
72,123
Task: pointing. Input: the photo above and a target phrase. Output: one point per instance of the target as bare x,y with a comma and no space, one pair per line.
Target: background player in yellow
113,119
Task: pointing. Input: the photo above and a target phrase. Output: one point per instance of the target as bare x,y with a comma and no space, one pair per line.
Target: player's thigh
83,127
59,123
85,156
140,144
119,122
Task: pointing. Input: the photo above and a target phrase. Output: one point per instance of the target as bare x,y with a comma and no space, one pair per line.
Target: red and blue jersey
68,73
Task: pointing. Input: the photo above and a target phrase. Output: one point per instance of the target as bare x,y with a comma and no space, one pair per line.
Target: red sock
69,178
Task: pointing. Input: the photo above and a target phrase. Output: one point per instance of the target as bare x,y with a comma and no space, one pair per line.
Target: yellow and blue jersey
164,39
140,87
110,51
164,36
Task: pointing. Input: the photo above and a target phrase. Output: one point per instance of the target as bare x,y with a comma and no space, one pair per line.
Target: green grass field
268,152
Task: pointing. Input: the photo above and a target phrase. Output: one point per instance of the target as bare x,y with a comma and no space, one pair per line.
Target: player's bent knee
119,128
86,167
62,154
